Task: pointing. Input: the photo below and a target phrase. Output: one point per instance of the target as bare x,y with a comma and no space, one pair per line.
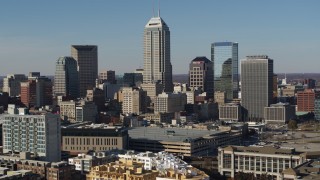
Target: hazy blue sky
34,33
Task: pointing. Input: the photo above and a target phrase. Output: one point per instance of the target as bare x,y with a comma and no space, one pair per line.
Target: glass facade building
317,109
225,64
66,82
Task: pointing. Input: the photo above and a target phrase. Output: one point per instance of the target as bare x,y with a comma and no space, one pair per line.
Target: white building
38,134
157,64
258,160
134,100
84,162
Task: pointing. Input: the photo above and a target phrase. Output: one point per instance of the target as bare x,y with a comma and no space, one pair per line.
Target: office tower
28,93
224,56
11,84
66,79
157,64
87,59
36,92
108,76
256,85
152,89
201,75
170,102
37,134
134,101
305,100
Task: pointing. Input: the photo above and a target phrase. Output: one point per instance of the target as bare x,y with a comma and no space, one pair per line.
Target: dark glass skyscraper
66,80
225,64
87,59
256,85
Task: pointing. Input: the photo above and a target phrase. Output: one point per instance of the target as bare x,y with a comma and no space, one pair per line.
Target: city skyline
40,32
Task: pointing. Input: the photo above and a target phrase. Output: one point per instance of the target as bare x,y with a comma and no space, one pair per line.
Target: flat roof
170,134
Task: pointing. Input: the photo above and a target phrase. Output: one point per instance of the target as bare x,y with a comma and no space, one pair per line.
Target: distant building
220,97
36,92
132,79
170,102
152,89
279,113
108,76
310,83
201,75
11,84
230,112
96,137
97,96
157,63
38,134
66,79
78,111
256,85
317,108
134,101
224,56
257,160
305,100
87,59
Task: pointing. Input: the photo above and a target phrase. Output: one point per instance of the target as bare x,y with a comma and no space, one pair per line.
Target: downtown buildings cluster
83,112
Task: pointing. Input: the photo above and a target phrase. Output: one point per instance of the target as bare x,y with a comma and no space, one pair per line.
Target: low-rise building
279,113
230,112
258,160
78,111
182,141
84,162
96,137
147,165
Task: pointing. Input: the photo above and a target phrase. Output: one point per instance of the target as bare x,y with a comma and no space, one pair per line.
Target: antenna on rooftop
153,8
159,8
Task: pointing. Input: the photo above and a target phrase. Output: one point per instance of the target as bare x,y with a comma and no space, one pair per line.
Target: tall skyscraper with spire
157,64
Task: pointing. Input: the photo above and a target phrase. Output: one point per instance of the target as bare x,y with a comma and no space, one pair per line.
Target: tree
292,124
244,176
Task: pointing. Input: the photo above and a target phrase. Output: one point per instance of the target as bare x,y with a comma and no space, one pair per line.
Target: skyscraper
225,62
201,75
256,85
66,80
157,64
87,59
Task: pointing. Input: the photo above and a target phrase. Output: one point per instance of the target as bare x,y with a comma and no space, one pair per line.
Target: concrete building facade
201,75
279,113
256,85
38,134
157,63
257,160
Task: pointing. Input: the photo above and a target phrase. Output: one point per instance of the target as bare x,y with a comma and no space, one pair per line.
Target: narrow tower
157,64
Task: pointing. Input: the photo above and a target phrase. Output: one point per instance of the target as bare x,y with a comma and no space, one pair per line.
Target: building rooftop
171,134
201,59
156,22
263,150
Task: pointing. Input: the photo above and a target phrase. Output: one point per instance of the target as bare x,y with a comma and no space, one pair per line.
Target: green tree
293,125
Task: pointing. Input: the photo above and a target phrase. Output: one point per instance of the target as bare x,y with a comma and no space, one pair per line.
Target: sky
35,33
